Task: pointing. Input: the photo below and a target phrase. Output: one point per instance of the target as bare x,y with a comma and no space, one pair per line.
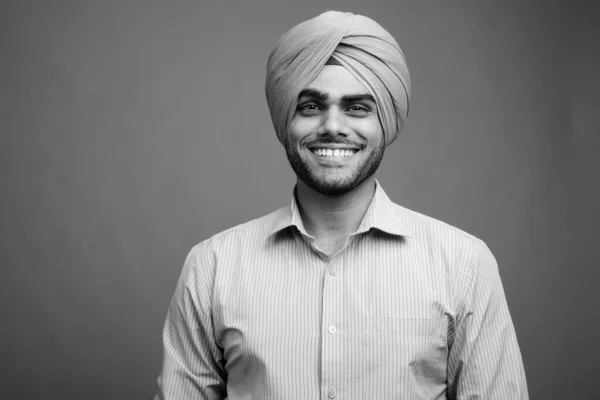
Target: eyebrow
351,98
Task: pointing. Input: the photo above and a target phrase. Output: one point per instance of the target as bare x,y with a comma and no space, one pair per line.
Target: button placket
331,363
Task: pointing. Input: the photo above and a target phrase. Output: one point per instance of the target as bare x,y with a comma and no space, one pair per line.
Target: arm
192,364
485,361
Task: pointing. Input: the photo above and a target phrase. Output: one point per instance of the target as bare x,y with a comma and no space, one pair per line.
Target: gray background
131,130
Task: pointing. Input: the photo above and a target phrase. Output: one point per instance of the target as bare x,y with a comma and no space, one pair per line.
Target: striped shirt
409,308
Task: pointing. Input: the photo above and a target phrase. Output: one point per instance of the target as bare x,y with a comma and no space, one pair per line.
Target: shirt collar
382,214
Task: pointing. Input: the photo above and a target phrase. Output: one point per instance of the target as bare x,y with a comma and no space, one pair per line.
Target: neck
333,216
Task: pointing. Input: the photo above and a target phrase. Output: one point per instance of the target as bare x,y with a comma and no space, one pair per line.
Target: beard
334,185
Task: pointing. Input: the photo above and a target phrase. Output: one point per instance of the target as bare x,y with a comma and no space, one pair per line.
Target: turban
356,42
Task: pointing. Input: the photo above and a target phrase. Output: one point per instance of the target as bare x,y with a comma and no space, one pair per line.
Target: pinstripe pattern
410,308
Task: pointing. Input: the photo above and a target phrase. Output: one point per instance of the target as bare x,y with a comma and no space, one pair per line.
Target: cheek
370,130
302,127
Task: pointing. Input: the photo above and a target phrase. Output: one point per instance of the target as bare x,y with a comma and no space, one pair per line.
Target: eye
358,110
308,109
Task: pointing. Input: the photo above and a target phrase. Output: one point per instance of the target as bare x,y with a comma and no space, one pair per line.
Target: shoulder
440,237
421,225
245,235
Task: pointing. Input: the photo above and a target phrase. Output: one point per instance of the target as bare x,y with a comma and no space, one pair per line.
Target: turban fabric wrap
356,42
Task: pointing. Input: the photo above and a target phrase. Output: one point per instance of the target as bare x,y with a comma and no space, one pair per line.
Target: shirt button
331,394
332,272
332,329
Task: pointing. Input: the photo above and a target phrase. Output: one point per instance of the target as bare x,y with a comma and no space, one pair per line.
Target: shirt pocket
434,328
412,349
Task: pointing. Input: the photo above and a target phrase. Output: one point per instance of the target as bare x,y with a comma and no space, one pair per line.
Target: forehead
337,82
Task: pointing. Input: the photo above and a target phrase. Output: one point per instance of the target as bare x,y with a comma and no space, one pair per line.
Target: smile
333,153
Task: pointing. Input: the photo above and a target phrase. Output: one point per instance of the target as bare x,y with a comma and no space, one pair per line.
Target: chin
332,187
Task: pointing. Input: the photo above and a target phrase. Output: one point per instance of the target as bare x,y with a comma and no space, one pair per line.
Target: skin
335,110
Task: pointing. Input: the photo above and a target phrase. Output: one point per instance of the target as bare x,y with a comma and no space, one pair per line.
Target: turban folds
360,45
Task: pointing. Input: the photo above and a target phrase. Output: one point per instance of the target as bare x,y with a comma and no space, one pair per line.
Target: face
335,141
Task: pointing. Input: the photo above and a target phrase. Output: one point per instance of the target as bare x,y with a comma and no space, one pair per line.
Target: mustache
334,141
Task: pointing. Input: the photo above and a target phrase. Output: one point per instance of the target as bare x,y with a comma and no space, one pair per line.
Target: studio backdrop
132,130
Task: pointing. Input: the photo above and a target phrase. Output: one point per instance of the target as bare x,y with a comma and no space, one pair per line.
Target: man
342,294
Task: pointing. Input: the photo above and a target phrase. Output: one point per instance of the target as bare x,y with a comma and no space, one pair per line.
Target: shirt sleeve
484,360
192,361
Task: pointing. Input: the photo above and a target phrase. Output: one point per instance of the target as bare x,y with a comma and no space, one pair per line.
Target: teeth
337,153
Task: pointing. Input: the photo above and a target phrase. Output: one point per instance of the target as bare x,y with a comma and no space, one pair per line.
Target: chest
330,319
385,290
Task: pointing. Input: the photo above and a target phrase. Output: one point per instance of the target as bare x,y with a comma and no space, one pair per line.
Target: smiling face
335,140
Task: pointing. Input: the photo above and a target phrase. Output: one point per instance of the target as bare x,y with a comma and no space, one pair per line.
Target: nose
333,123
